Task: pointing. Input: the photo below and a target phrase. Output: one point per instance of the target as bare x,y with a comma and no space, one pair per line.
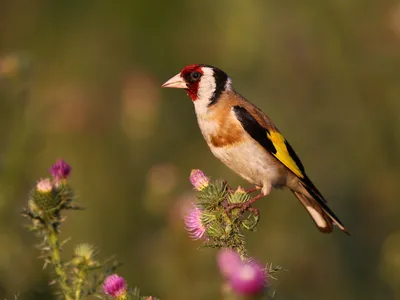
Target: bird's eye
195,76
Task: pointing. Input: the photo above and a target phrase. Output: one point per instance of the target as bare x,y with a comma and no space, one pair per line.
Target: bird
247,141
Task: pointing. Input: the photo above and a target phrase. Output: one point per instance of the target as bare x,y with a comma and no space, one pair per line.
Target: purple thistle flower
114,286
228,262
193,223
60,170
198,179
248,279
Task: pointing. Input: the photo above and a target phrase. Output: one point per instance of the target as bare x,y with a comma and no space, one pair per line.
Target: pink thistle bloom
44,186
60,170
193,223
198,179
248,279
228,262
114,286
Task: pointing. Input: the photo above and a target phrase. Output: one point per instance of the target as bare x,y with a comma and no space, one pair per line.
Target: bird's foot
245,205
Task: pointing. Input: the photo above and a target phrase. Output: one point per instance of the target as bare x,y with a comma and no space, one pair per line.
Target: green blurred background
80,80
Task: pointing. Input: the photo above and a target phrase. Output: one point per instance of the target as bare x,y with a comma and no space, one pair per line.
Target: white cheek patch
206,90
319,220
207,84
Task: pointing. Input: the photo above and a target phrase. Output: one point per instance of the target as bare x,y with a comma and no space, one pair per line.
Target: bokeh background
80,80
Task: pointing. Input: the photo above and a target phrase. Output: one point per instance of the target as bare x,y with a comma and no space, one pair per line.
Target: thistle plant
212,220
83,275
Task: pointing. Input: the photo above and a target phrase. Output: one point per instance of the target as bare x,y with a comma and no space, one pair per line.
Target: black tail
319,211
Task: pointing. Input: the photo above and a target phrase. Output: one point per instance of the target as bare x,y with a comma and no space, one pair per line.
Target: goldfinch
247,141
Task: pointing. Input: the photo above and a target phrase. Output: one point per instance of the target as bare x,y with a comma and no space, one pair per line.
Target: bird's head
202,82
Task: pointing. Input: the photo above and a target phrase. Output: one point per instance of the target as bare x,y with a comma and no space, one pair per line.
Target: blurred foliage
81,81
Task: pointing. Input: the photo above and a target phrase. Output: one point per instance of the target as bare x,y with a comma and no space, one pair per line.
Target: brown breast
230,131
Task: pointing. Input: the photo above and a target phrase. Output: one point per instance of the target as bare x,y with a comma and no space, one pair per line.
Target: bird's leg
266,189
245,205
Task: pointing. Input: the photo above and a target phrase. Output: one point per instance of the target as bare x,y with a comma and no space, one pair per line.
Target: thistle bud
44,195
198,179
44,186
84,254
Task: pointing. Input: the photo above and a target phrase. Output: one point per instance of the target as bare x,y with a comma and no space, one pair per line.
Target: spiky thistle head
244,276
198,179
115,286
249,278
44,186
44,195
85,255
228,261
60,170
194,223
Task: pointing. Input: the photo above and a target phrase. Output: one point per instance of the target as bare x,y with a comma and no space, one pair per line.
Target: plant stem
79,282
56,260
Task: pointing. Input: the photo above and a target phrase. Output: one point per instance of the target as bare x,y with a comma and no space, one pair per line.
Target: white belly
253,163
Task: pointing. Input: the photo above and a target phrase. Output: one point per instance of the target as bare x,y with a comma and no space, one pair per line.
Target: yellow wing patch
282,153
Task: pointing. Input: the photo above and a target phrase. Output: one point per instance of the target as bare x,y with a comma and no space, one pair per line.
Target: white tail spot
319,220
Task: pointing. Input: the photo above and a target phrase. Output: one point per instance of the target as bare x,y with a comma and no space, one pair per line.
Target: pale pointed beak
175,82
